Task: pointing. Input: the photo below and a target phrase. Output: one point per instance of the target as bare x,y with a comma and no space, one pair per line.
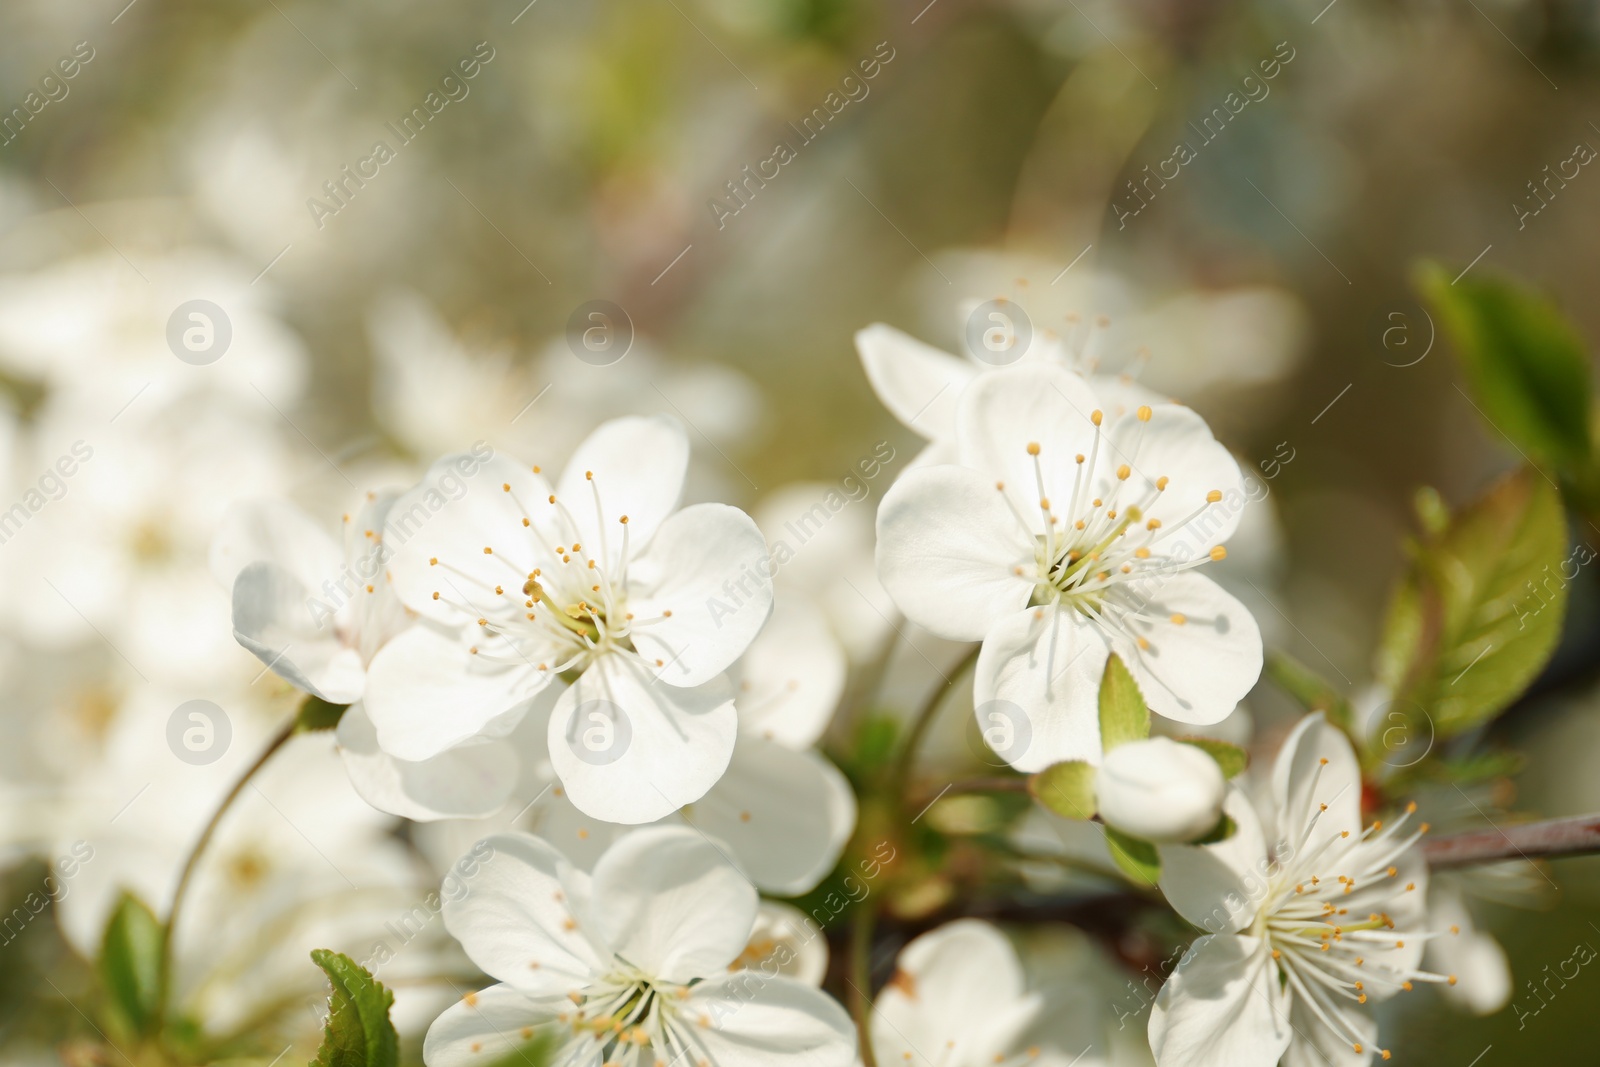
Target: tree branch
1576,836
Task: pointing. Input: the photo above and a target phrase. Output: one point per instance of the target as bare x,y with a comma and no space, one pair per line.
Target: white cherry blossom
1064,536
1309,916
643,962
599,580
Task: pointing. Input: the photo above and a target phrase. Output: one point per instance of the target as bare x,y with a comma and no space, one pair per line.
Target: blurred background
406,213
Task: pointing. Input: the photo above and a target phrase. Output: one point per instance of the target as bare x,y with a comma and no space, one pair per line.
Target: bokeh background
990,154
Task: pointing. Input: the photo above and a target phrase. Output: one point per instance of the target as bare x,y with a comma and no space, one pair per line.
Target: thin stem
186,876
1577,836
920,724
861,929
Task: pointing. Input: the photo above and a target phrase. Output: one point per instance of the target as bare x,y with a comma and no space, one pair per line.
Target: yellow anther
1213,496
1144,413
1033,448
1219,553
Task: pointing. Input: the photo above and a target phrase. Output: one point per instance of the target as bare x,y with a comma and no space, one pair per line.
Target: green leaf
1066,789
1123,714
130,964
1479,611
317,714
358,1032
1224,829
1231,758
1138,859
1524,362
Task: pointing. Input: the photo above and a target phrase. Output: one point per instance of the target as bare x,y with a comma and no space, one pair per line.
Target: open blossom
1065,536
599,580
958,998
1310,917
648,960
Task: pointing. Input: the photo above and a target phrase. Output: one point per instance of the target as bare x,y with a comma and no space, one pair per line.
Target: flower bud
1160,790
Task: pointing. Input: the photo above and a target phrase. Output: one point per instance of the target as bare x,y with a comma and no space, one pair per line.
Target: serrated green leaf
1124,716
1231,758
317,714
1137,859
130,964
358,1032
1479,611
1066,789
1525,364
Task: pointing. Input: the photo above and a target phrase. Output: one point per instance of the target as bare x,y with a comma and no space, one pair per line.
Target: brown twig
1576,836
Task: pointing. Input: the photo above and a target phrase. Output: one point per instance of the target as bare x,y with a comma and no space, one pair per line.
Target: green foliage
130,965
358,1032
1231,758
1224,829
1309,689
1137,859
1479,611
1524,363
317,714
1066,789
1124,716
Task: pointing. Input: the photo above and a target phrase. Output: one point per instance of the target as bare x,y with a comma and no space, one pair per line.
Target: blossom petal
669,902
276,618
266,528
785,815
484,1027
470,781
637,465
1220,887
426,693
1175,450
958,995
752,1020
949,552
1006,412
631,750
517,907
1316,766
791,679
1458,947
1315,1045
784,940
1037,684
918,383
461,507
708,567
1200,652
1222,1005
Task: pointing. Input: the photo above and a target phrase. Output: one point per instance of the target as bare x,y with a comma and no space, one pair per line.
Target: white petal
1220,887
918,383
1176,445
1222,1005
630,749
426,692
791,679
669,902
1483,974
1160,790
785,941
484,1027
276,618
460,508
1198,670
1316,766
1006,411
517,907
1036,688
756,1021
265,528
582,838
638,464
958,997
1315,1045
469,781
708,566
949,552
785,815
